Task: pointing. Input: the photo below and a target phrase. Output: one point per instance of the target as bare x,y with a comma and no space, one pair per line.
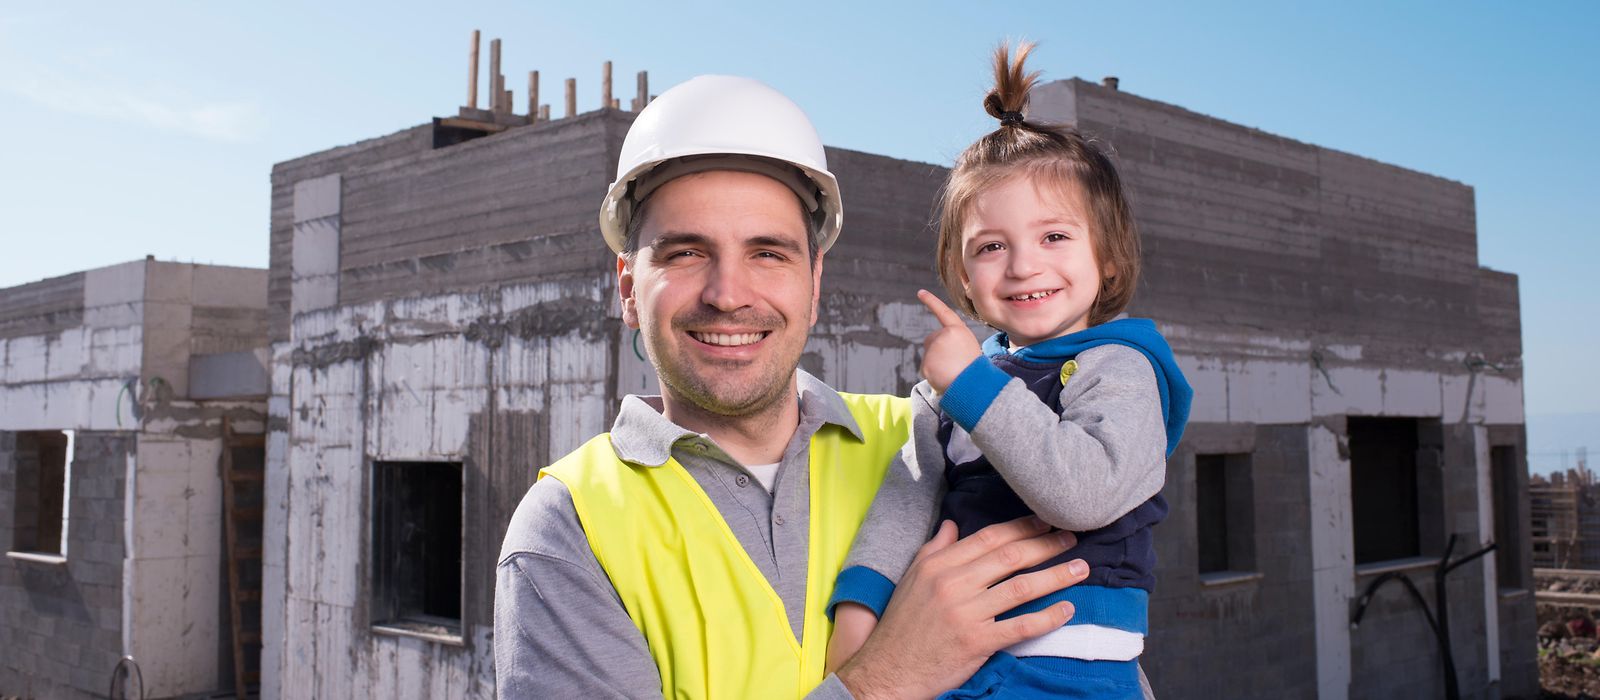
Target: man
691,551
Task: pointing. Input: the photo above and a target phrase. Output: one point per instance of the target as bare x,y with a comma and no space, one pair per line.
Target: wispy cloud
232,121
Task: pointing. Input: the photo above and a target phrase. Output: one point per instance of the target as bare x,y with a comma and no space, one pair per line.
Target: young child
1067,413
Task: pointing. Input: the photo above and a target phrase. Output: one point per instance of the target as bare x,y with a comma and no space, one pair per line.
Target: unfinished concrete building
1564,519
443,323
116,388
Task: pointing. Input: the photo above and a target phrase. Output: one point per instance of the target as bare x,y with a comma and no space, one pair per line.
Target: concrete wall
1264,621
114,365
494,380
61,623
38,308
418,333
83,376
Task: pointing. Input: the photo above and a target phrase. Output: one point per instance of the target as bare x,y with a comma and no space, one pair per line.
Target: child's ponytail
1009,97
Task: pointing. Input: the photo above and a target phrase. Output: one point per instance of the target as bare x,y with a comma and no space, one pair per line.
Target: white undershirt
764,473
1089,642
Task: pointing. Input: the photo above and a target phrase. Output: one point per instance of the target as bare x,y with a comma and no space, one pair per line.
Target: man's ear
816,288
630,308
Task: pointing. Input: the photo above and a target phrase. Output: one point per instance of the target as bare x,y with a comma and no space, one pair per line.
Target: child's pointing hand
950,348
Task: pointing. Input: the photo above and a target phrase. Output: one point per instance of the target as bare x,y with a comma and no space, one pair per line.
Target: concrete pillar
1332,559
1486,532
275,526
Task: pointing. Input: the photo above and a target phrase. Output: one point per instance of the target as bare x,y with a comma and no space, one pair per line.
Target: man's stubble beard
715,393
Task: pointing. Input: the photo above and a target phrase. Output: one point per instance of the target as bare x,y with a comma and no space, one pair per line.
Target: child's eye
1055,237
990,247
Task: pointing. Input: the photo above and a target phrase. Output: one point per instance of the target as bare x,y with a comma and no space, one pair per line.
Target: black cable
1440,625
124,663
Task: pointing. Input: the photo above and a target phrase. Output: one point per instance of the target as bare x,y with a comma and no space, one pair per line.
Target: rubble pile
1569,645
1557,583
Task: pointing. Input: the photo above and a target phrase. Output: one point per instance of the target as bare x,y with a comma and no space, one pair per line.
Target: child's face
1027,261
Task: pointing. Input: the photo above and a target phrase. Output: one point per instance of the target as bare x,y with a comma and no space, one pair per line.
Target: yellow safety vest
715,626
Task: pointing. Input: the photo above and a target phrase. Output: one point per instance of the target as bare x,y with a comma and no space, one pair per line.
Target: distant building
1565,519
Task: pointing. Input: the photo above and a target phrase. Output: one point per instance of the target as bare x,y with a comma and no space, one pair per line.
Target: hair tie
1010,118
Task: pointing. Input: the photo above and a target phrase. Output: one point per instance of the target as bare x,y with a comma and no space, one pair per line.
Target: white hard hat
720,122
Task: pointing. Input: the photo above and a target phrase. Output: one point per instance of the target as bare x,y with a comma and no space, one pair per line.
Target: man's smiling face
723,290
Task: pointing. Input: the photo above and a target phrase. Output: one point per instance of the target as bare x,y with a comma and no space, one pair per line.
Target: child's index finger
947,316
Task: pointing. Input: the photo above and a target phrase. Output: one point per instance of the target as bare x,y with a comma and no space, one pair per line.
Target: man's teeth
729,339
1032,295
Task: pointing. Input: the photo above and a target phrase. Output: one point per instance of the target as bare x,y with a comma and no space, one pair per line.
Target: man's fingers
1025,627
947,316
994,537
1000,562
1032,586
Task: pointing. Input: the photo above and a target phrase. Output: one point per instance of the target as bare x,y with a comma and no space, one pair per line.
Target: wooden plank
1581,599
471,124
472,74
230,531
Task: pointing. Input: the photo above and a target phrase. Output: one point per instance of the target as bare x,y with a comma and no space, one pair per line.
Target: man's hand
940,625
950,348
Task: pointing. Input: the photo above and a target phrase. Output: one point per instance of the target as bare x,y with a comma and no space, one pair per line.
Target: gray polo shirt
559,627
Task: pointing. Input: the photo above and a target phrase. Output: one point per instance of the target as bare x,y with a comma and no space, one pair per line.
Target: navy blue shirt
1119,555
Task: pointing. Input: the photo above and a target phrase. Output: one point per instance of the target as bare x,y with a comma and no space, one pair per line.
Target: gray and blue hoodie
1084,448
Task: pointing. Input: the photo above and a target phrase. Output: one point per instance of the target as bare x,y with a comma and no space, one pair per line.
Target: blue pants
1006,677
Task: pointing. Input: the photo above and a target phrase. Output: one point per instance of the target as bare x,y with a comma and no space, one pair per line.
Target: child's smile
1028,260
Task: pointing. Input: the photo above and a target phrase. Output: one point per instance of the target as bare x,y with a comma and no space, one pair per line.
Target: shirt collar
642,435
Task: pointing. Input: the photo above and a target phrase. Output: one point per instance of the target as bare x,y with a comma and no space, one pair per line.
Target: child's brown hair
1052,156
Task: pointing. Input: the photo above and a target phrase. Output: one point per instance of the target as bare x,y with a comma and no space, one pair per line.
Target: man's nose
728,285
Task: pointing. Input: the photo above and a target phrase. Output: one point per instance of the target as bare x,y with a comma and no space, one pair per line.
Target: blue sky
151,128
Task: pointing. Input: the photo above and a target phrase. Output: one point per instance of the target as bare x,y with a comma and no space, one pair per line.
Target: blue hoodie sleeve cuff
861,585
973,390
